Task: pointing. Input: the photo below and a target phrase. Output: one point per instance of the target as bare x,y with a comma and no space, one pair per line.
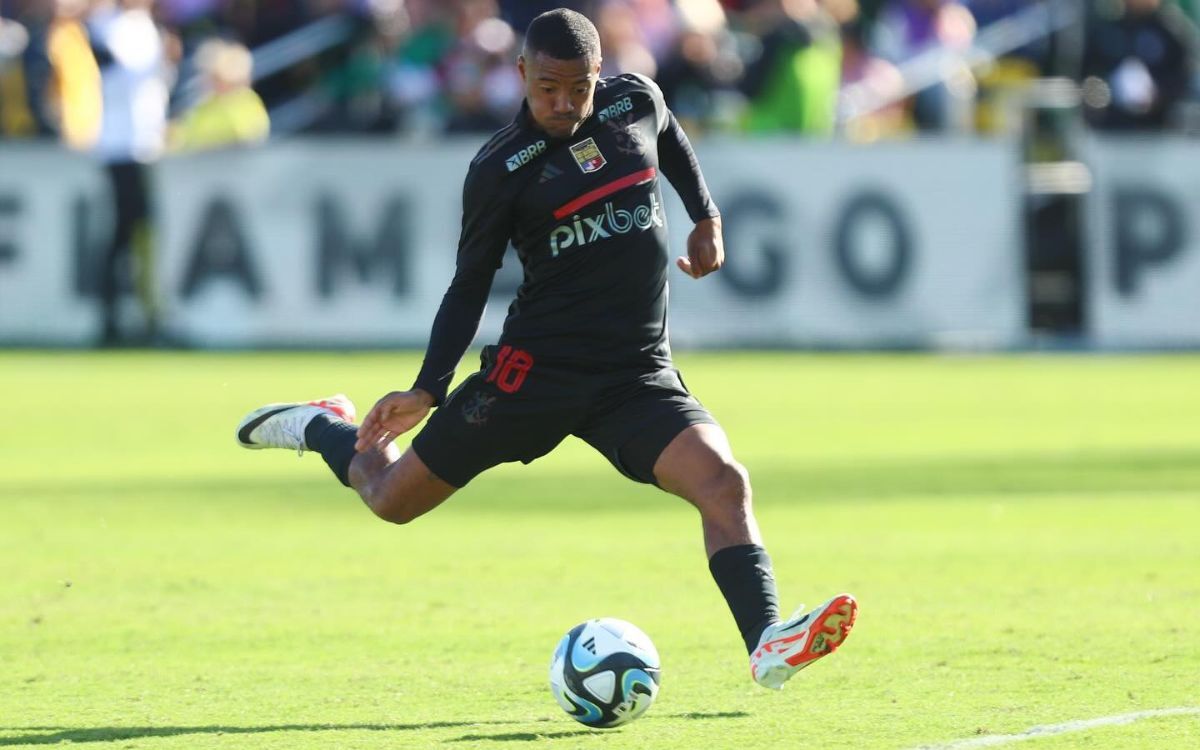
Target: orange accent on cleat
803,641
340,406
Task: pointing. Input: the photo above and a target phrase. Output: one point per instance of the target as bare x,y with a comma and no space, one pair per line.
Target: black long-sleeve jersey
585,214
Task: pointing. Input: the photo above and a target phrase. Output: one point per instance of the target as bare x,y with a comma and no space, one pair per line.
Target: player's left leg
397,487
698,465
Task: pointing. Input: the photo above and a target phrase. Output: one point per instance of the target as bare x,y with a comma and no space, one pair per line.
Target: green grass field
1023,534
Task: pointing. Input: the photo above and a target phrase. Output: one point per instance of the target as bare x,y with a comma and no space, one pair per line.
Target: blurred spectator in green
792,82
1192,9
355,90
229,113
412,77
1138,64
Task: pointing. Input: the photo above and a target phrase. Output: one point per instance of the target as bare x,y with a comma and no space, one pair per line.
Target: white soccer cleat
282,425
789,646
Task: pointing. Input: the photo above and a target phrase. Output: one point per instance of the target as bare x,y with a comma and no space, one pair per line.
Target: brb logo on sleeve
587,229
524,156
614,109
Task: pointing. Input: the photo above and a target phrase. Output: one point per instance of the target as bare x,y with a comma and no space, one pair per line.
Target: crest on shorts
476,410
587,155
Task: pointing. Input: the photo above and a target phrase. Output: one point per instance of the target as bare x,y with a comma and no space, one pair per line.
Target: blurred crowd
187,74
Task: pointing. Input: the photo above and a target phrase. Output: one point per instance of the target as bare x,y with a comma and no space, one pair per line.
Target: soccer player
575,184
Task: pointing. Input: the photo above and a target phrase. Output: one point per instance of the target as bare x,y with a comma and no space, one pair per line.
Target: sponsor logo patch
584,230
524,156
614,109
587,155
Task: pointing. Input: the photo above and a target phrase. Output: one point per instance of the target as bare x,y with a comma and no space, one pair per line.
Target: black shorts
509,411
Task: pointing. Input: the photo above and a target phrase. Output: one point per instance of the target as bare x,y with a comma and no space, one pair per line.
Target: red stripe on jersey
605,190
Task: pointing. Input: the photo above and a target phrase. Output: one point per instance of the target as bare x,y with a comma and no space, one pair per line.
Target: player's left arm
677,160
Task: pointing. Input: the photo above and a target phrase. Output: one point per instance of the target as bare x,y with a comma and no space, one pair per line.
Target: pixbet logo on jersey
587,229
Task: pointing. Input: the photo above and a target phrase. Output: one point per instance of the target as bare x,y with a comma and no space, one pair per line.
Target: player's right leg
698,465
396,487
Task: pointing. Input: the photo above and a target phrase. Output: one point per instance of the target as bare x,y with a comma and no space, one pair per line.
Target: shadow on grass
708,715
56,735
1094,470
534,736
523,736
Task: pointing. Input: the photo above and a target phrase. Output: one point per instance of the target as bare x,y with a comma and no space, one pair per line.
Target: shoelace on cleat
281,427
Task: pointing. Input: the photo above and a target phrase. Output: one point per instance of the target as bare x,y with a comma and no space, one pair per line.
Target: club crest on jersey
587,155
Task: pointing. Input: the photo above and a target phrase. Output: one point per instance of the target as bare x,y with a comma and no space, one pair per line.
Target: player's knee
393,509
729,487
394,515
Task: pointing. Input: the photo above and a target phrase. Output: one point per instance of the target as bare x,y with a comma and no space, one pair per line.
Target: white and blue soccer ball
605,672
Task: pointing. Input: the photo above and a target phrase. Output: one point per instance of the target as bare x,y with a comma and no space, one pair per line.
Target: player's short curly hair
564,35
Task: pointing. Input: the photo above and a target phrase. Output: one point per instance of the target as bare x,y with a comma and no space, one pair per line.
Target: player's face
559,92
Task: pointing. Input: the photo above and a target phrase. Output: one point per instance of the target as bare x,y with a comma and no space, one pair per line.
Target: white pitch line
1078,725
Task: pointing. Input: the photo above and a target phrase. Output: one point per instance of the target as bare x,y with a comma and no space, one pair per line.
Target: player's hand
706,249
394,414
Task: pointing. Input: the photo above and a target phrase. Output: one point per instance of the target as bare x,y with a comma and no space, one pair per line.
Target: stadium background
1007,188
914,173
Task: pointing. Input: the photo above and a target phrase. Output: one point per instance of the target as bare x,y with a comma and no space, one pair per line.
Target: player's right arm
486,228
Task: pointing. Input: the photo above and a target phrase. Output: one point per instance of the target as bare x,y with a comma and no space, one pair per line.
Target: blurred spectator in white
412,78
134,80
907,28
699,77
356,91
16,114
792,79
622,44
228,113
1138,64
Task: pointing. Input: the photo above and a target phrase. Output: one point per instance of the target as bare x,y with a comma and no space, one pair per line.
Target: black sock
334,439
744,575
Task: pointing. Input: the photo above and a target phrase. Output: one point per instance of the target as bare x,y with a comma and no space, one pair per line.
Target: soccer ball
604,672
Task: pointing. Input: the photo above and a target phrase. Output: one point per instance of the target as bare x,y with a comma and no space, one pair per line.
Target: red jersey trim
605,190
